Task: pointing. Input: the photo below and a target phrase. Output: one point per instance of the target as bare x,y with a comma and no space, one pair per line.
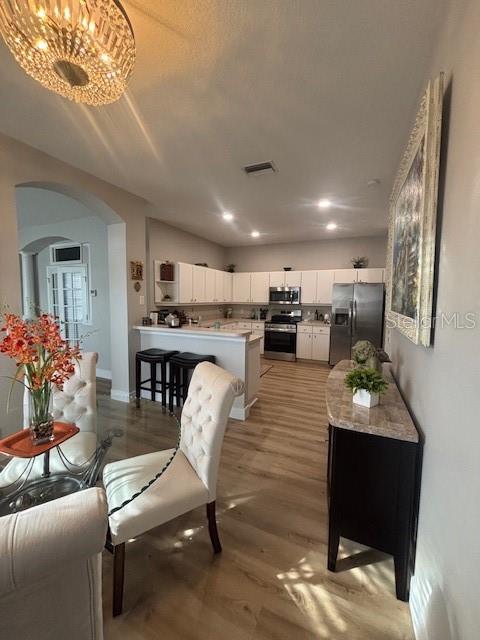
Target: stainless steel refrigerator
357,314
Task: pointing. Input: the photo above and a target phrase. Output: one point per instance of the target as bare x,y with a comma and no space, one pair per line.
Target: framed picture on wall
413,223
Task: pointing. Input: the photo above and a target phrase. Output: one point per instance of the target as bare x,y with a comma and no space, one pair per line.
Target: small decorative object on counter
146,321
360,262
231,268
287,268
365,354
167,271
43,359
366,385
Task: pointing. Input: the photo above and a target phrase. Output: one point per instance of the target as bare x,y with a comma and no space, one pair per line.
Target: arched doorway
52,216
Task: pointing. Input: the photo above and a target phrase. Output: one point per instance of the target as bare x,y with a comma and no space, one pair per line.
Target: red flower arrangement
43,358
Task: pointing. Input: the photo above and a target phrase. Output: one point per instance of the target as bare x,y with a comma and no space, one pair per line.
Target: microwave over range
284,295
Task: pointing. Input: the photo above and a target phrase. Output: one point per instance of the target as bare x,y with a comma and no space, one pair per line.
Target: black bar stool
152,357
181,366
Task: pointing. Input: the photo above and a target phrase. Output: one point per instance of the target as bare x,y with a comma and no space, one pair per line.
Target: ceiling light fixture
324,203
85,50
255,234
226,215
331,226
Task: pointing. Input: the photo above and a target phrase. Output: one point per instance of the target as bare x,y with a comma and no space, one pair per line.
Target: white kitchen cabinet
210,281
185,282
304,345
345,276
262,340
199,284
293,278
370,275
320,346
227,286
308,294
241,287
324,286
259,283
277,278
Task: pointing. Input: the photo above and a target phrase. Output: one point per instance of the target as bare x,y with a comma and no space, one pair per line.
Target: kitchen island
236,351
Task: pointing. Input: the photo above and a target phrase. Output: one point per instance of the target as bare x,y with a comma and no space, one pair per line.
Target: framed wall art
413,223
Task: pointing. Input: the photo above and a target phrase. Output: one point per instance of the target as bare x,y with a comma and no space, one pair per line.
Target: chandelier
82,49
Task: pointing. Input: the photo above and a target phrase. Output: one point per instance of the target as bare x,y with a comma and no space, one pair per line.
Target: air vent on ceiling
260,168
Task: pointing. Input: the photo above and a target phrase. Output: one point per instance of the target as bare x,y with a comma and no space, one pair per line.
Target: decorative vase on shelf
364,398
41,419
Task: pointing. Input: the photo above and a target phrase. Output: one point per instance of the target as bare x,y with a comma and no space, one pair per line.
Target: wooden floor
271,581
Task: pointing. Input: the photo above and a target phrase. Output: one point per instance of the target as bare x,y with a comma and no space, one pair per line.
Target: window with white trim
68,299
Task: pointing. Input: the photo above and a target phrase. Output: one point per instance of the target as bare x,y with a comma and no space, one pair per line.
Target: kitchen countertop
315,323
389,419
195,330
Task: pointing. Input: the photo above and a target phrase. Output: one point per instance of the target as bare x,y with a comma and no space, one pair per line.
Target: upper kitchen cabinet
277,278
308,294
359,275
185,282
259,283
227,286
345,276
218,293
199,275
241,287
293,278
324,286
370,275
210,288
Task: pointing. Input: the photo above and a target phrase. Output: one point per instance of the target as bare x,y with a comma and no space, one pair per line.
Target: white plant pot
365,398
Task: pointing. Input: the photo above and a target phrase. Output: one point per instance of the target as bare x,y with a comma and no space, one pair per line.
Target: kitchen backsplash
210,312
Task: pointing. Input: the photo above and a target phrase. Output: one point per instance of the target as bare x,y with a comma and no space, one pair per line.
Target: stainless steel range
281,335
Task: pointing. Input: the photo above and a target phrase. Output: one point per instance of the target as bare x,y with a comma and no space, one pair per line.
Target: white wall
441,383
318,254
94,232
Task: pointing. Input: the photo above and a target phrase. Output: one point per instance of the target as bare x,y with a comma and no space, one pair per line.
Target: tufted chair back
204,418
77,402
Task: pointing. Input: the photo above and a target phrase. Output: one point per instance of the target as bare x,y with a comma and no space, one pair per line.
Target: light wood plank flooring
271,581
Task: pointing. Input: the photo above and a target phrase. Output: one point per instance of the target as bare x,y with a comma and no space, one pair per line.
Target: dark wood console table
374,471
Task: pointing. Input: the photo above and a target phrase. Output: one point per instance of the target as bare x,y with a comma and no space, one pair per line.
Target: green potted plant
366,386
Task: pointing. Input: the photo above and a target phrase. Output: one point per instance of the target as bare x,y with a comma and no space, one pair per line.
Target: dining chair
189,481
77,403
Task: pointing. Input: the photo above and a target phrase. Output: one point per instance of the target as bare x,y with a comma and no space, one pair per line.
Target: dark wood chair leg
178,386
171,386
153,380
184,385
118,578
212,527
138,373
163,383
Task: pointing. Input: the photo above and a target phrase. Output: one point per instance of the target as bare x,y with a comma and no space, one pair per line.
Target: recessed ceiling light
226,215
324,203
331,226
255,234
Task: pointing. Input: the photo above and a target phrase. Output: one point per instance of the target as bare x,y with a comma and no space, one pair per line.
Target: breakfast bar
237,351
374,470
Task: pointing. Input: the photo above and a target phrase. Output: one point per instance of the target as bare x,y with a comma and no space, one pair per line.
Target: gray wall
319,254
441,383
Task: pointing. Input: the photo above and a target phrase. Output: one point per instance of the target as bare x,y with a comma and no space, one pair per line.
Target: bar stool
152,357
181,365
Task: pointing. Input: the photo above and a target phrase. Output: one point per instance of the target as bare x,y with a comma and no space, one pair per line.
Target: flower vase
41,420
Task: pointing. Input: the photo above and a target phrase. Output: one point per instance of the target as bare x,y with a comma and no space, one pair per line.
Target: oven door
280,345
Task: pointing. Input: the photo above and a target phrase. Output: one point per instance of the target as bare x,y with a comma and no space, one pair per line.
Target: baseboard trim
104,373
121,396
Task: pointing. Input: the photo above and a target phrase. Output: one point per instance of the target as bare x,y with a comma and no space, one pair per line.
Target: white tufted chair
190,480
76,403
51,569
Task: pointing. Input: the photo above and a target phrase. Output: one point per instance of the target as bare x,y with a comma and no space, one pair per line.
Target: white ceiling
327,90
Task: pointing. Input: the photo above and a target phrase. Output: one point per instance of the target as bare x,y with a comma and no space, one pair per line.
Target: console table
374,471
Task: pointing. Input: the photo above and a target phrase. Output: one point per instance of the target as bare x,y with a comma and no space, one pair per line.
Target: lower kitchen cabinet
313,343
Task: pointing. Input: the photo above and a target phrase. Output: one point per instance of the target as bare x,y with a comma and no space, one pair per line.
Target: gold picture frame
413,222
136,270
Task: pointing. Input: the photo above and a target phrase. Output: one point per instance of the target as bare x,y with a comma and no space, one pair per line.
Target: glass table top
123,431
